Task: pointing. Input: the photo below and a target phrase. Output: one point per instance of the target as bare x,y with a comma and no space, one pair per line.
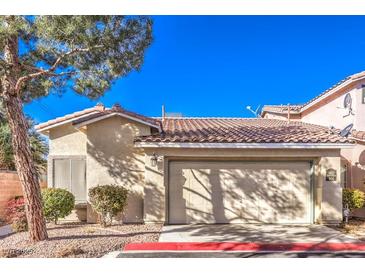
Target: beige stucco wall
331,113
113,159
357,173
66,140
327,195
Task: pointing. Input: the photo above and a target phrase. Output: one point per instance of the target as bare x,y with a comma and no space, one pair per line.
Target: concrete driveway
253,233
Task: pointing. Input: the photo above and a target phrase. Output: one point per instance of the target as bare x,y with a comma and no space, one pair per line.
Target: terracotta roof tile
94,112
239,130
68,117
360,135
282,108
118,109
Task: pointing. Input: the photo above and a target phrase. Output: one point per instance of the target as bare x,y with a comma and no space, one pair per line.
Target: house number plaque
331,175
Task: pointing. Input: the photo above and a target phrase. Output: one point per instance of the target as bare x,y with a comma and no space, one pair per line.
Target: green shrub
353,198
57,203
108,201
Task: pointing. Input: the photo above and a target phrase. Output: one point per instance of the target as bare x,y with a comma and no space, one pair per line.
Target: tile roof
298,108
118,109
360,135
239,130
350,78
95,112
282,108
68,117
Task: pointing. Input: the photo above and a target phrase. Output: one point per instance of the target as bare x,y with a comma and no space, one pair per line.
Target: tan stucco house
200,170
340,107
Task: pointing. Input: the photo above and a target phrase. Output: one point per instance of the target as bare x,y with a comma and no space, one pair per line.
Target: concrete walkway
5,230
253,233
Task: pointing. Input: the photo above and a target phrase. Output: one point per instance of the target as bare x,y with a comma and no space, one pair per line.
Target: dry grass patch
69,251
89,230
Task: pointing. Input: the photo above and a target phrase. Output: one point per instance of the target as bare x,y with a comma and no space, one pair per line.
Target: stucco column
331,200
317,195
154,190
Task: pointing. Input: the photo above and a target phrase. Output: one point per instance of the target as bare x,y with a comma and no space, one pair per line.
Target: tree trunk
26,169
20,142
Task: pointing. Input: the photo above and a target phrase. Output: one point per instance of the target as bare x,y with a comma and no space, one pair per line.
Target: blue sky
216,65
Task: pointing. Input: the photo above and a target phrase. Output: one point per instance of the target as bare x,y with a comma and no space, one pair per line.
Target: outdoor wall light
154,159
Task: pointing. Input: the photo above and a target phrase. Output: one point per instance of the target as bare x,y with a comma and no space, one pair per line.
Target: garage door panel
239,192
240,199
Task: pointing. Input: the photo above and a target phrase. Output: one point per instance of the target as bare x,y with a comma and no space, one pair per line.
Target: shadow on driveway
253,233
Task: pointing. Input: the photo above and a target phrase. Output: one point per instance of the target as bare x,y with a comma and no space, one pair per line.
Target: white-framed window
70,174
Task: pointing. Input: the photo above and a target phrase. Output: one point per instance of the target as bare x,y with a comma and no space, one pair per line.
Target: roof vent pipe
163,112
99,106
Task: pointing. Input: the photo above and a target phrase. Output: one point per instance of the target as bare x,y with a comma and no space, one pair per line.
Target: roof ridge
207,117
352,77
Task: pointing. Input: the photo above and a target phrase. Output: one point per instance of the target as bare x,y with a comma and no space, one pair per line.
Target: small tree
108,201
15,214
44,54
57,203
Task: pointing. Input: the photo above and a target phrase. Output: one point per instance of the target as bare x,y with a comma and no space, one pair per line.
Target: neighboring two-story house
341,107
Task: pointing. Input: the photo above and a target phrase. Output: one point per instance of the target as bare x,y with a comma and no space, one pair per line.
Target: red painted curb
248,247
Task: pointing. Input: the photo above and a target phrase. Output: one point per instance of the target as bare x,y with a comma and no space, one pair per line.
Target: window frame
69,158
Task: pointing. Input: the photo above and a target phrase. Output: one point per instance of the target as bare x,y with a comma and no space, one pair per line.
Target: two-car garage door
239,192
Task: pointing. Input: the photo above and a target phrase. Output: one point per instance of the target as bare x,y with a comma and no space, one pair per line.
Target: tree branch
50,71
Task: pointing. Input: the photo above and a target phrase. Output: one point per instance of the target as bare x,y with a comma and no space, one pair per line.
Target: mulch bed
355,227
78,240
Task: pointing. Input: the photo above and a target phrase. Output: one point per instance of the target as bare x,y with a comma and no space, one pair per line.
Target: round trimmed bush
108,201
353,198
57,203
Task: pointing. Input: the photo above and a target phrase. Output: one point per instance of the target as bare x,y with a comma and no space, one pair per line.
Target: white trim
118,114
244,145
324,96
64,122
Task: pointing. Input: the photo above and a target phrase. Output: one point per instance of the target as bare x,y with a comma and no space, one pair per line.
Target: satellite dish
346,131
347,101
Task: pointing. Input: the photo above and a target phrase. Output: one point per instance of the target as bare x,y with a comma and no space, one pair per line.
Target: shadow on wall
238,195
331,205
114,160
155,204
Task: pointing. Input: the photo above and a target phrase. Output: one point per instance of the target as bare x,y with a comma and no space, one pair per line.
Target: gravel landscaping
78,240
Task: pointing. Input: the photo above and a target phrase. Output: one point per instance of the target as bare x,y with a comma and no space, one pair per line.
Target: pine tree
52,54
